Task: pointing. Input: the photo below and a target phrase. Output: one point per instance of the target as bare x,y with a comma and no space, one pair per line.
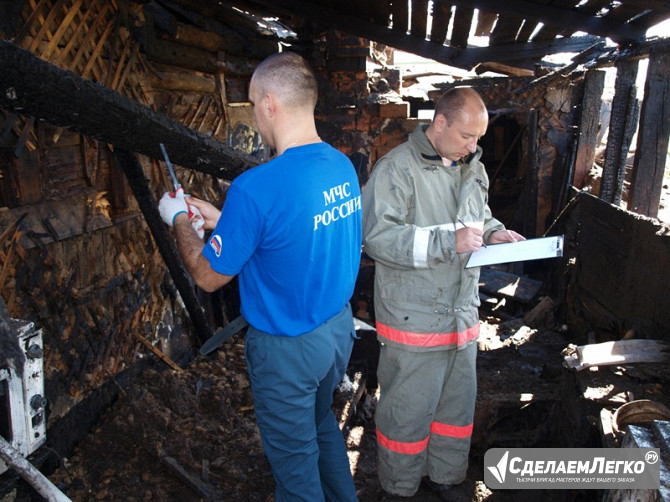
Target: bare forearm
190,248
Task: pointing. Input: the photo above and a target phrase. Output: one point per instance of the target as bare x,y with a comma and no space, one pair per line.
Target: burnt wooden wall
614,271
76,256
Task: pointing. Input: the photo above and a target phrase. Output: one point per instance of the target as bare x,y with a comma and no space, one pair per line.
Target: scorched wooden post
149,207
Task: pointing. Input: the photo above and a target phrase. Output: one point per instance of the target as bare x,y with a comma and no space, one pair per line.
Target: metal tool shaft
176,184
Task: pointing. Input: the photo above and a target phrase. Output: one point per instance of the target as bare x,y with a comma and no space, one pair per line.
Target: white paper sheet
530,249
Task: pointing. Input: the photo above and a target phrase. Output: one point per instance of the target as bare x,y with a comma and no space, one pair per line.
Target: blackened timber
400,16
594,83
149,207
652,140
461,29
506,29
419,18
618,142
441,17
32,87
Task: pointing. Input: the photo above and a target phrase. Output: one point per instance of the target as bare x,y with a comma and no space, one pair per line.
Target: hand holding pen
468,238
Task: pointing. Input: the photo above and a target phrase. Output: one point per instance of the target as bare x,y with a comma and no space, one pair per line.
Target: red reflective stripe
400,447
428,339
454,431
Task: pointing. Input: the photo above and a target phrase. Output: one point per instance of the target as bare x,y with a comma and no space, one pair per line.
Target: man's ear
439,122
269,104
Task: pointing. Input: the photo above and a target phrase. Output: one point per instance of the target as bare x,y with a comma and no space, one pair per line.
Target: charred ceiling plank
441,17
506,29
461,29
400,16
532,51
460,58
419,18
32,87
549,14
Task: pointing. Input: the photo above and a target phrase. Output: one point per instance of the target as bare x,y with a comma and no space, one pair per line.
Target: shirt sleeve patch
216,244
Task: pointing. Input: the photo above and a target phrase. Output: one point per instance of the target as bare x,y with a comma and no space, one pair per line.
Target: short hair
287,75
453,101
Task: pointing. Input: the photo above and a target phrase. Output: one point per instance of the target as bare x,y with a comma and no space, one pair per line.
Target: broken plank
514,286
618,352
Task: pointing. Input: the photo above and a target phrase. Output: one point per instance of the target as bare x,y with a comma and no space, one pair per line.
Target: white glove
172,204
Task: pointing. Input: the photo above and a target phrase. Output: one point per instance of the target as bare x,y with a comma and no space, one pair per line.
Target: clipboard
507,252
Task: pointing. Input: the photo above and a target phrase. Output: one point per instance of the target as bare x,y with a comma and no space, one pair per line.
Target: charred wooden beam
461,30
441,17
652,141
619,137
419,16
149,207
32,87
594,83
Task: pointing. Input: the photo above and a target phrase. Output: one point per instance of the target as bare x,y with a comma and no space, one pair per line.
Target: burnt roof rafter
461,58
578,21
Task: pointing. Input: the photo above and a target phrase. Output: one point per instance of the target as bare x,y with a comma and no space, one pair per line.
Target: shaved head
289,77
454,101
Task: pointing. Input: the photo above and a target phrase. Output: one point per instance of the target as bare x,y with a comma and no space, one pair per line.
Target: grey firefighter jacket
411,208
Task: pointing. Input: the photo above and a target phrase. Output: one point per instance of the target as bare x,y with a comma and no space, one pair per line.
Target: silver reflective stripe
421,239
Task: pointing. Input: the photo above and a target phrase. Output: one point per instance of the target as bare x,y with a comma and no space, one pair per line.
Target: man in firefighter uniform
425,209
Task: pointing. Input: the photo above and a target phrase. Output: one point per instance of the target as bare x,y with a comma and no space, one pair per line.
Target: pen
461,222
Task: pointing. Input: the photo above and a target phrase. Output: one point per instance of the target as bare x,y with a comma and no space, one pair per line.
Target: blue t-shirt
291,229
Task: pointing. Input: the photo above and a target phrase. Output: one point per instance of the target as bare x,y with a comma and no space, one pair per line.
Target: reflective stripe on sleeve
420,245
420,248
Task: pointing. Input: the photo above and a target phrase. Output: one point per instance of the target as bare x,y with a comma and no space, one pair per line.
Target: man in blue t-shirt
291,229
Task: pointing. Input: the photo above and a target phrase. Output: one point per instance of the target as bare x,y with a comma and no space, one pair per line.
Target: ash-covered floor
191,435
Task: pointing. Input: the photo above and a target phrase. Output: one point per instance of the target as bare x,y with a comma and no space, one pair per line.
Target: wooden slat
98,49
589,125
400,16
128,68
506,29
550,30
120,65
527,29
34,15
441,17
618,146
380,11
625,12
76,30
653,137
44,29
65,25
419,18
485,22
90,35
592,7
461,27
